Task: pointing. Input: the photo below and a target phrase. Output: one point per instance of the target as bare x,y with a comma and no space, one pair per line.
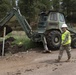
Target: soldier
65,44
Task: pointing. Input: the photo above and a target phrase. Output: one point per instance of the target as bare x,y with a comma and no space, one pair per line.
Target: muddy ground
34,62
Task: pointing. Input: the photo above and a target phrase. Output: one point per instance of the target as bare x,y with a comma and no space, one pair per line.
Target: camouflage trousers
62,48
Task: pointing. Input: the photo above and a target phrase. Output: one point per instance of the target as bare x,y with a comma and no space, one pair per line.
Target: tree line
31,8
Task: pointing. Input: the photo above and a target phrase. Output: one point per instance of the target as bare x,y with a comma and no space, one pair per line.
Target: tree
4,7
69,6
31,8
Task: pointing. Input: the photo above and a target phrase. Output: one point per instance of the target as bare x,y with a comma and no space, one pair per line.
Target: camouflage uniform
67,48
65,45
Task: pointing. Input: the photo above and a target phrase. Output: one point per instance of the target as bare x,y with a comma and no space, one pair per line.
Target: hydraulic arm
34,36
20,18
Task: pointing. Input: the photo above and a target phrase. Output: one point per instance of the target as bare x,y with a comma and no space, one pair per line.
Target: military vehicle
48,30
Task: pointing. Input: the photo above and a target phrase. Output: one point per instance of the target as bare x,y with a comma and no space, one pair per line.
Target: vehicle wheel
73,44
54,40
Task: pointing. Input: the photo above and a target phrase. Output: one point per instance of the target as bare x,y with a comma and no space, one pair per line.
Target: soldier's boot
59,58
47,51
68,58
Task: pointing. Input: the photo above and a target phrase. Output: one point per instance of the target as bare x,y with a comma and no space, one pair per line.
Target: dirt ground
34,62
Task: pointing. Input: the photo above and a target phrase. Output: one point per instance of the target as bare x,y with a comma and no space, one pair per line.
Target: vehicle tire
73,44
54,40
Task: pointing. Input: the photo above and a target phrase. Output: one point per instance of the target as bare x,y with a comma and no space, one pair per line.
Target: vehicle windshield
61,17
42,21
53,16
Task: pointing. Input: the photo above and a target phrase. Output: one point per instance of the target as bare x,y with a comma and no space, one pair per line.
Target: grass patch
22,39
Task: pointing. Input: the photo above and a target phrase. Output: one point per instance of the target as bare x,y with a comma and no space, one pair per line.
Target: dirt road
33,62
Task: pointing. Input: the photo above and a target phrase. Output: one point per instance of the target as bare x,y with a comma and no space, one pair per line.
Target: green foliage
65,6
69,6
31,8
56,4
25,41
4,7
22,40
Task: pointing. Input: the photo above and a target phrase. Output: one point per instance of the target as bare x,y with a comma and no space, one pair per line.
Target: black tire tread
50,37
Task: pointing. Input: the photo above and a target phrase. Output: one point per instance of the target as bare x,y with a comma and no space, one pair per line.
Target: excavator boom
23,22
